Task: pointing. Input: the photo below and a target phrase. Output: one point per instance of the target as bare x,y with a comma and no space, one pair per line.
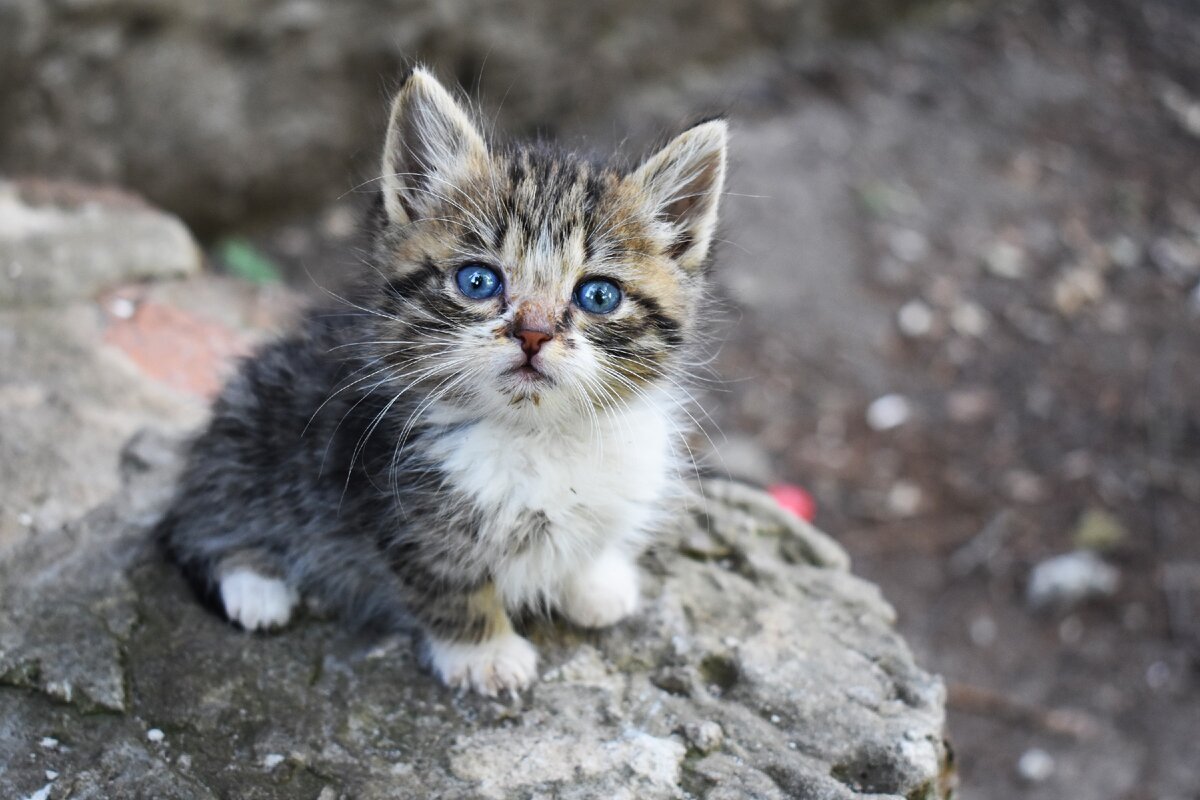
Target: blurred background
959,280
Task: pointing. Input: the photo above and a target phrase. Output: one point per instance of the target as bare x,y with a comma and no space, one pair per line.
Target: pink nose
532,340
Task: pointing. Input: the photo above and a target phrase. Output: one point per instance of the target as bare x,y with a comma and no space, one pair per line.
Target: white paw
603,594
506,663
255,601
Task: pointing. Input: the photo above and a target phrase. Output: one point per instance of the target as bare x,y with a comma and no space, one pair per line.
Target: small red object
794,499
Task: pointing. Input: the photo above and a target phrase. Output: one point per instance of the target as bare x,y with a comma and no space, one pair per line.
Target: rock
117,681
1067,580
61,242
791,681
170,97
60,383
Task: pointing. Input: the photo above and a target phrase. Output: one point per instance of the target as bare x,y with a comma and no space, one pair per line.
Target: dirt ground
997,220
993,223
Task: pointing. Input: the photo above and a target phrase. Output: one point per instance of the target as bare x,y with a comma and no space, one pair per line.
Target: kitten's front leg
604,592
471,645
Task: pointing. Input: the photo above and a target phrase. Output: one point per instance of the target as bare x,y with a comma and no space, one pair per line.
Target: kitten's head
529,281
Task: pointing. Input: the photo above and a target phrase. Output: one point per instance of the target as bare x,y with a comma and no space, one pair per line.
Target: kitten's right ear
430,142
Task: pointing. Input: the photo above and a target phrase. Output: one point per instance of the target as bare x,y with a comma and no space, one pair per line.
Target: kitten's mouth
528,373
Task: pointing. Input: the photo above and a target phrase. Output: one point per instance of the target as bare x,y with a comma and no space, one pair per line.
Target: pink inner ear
681,244
692,194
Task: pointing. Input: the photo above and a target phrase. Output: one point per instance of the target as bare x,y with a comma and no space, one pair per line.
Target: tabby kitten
488,418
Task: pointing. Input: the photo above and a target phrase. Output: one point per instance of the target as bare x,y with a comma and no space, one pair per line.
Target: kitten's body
413,454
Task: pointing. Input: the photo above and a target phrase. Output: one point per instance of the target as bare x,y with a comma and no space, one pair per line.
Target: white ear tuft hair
684,181
430,141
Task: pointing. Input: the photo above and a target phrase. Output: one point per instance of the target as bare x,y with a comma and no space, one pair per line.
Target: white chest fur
556,498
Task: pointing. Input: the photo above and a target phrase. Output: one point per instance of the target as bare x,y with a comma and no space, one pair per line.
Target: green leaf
247,262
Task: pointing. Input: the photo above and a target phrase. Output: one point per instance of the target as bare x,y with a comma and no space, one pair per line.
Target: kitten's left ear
684,182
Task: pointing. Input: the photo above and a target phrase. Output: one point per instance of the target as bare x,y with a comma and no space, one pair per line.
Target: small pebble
1035,765
1067,580
1125,252
1077,288
914,319
42,793
25,518
969,319
775,720
49,743
908,245
1005,260
155,735
1158,675
51,775
1185,109
1024,486
122,308
1178,256
982,631
272,760
887,412
705,736
904,498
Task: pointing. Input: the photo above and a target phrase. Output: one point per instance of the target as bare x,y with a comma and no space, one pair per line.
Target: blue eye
598,296
478,282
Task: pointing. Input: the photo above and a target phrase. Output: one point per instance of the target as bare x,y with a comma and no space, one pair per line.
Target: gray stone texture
749,673
62,242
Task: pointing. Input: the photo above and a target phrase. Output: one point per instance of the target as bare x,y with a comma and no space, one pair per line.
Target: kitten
489,418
